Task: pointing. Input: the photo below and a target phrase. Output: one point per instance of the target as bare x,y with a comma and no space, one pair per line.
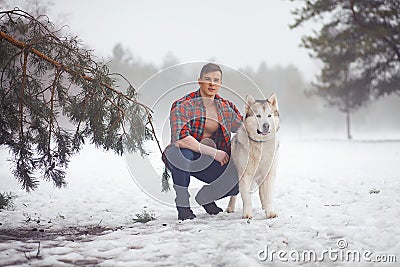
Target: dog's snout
265,126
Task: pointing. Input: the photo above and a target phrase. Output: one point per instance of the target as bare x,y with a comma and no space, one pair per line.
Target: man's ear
249,102
273,99
199,81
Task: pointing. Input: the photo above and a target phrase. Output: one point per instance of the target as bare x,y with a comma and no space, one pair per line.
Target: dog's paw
247,216
271,215
230,210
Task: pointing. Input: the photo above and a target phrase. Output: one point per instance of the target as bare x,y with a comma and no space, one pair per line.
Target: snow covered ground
326,191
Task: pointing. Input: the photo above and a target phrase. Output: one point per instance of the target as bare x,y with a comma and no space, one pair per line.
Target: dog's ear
249,102
273,99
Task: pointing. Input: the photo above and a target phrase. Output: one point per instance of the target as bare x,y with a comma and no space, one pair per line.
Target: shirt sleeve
179,122
237,119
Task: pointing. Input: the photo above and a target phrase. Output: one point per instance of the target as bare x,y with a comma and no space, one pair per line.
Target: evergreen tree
359,45
55,95
133,68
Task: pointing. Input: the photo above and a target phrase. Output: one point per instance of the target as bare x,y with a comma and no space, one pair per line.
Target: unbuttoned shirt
188,117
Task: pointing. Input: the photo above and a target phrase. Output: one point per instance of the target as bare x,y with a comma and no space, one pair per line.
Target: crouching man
201,126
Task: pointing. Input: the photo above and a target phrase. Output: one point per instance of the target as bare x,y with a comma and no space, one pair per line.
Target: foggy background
141,38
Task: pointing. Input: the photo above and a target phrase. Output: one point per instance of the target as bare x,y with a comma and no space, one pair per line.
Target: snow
322,194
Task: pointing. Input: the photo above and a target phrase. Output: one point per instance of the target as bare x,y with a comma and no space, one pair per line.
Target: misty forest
79,132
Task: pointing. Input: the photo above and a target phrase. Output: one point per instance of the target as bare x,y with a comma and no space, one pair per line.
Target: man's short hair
210,67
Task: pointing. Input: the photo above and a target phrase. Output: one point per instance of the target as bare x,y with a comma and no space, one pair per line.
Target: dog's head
262,117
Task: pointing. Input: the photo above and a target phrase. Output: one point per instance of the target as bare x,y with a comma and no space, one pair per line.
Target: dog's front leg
231,205
244,188
267,189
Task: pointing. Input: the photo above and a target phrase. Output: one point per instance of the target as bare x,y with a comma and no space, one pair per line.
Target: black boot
212,208
185,213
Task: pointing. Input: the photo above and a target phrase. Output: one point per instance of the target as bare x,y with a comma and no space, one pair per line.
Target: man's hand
222,157
191,143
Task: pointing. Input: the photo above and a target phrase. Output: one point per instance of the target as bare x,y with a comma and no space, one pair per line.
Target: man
201,125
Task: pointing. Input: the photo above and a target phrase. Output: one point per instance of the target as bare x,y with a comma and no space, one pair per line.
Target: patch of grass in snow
145,216
7,200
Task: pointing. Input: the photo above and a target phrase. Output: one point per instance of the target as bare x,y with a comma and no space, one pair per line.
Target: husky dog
255,153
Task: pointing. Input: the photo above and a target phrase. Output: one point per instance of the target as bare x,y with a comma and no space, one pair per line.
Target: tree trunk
348,124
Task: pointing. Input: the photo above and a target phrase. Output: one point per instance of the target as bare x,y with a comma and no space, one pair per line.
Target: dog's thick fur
255,154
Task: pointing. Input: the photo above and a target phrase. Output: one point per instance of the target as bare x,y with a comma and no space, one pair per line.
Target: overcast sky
234,33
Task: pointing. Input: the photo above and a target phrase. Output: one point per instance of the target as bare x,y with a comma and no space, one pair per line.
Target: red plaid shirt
188,116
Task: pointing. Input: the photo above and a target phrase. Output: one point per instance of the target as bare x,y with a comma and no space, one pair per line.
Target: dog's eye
258,116
269,116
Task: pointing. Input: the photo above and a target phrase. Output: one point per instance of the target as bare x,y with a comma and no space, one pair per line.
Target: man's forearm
191,143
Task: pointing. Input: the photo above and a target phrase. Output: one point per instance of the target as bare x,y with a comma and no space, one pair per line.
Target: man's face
210,84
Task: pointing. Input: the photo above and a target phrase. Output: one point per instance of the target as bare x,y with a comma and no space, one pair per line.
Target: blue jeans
222,181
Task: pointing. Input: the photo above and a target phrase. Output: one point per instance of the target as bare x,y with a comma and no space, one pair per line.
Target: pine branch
4,69
150,121
58,65
56,77
21,96
153,130
31,106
